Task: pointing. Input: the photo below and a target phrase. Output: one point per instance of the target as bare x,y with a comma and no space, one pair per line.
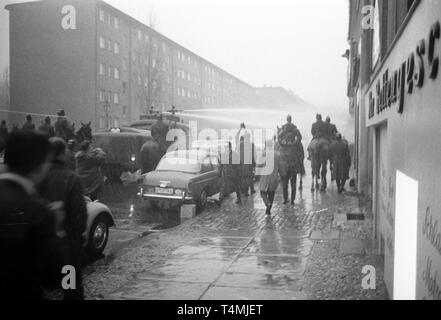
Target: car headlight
133,158
179,192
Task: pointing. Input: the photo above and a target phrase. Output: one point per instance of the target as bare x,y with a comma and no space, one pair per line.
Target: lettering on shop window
393,86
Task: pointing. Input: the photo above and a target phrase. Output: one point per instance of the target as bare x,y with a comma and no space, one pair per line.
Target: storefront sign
393,86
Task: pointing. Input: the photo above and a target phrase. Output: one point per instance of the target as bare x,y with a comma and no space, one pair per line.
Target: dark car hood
176,179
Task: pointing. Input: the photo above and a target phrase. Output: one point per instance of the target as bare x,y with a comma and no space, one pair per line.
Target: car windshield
179,165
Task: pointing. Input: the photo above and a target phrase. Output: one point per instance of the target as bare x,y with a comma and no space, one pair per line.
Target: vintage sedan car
183,177
99,221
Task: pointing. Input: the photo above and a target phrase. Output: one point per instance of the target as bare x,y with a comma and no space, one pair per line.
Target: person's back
27,227
28,126
320,130
47,128
4,132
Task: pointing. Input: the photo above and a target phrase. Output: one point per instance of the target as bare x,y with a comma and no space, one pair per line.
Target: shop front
404,110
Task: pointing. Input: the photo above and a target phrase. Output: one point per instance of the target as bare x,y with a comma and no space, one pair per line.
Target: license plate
167,191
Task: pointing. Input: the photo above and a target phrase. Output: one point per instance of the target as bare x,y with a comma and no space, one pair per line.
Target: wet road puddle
269,264
258,280
159,290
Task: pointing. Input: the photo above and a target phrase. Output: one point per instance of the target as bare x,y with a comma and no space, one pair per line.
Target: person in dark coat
47,128
269,181
89,165
247,160
320,131
28,125
28,234
290,163
61,127
332,129
159,131
4,134
71,163
342,162
63,187
231,174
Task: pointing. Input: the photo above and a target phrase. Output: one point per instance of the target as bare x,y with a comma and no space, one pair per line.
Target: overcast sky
296,44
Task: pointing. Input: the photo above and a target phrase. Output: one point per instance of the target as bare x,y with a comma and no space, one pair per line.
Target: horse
84,133
319,156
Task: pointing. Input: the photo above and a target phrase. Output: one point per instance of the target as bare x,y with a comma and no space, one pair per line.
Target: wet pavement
238,253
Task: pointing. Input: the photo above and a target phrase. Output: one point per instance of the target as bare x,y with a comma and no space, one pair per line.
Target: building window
102,123
116,75
102,43
116,23
146,82
102,95
116,47
154,63
124,87
116,122
102,69
124,111
102,16
109,71
126,41
163,47
124,64
188,76
109,45
109,19
179,55
163,67
116,98
139,35
146,38
183,57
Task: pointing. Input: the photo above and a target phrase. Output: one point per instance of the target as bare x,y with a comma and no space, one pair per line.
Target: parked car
183,177
99,221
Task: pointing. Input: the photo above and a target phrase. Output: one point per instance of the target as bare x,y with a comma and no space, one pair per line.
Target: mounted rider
62,127
320,134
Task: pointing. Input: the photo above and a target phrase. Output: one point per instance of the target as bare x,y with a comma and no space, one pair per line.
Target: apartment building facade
394,91
101,65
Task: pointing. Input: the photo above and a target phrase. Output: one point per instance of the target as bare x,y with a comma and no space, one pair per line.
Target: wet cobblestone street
237,252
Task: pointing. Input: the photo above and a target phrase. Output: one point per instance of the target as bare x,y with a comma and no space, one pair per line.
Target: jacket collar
23,182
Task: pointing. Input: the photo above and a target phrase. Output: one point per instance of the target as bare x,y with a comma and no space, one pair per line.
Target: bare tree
152,65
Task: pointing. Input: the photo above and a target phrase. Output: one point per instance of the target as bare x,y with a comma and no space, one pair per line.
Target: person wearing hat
341,158
47,128
62,126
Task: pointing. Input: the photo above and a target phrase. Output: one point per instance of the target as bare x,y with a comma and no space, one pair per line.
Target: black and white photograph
205,151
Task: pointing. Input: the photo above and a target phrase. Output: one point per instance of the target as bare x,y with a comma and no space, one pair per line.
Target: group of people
42,218
238,167
288,152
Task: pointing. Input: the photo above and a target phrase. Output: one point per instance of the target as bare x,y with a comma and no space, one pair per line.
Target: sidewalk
306,252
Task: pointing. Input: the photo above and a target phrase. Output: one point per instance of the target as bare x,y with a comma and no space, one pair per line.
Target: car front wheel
98,236
203,199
